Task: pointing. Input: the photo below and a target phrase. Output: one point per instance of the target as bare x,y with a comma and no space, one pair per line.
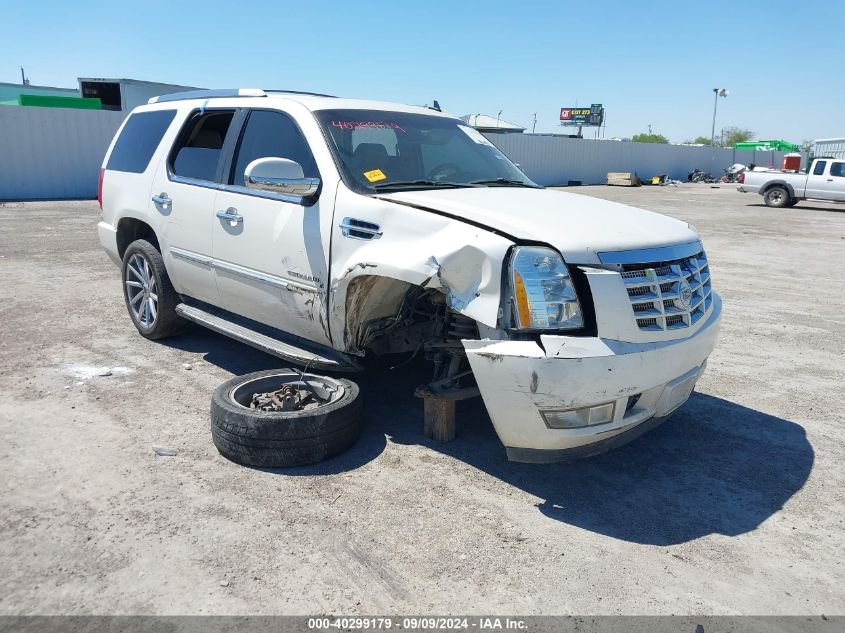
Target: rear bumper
645,383
108,239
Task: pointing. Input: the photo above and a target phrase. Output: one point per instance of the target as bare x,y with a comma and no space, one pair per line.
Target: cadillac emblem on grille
684,294
669,295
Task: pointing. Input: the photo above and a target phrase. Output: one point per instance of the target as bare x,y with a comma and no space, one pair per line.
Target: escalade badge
684,294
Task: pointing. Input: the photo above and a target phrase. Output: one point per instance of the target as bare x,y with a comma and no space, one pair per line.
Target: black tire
776,197
792,202
165,321
269,439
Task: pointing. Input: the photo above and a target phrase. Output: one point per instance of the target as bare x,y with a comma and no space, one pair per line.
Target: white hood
578,226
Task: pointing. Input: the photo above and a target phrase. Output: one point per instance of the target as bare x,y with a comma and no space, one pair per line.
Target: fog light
579,418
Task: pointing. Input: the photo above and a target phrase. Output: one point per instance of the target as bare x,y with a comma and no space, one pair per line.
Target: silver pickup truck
824,182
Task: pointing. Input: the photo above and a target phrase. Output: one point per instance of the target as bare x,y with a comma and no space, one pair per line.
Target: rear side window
818,170
196,154
272,134
837,169
138,140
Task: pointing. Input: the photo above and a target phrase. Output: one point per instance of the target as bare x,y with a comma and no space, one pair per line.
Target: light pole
534,127
497,118
717,92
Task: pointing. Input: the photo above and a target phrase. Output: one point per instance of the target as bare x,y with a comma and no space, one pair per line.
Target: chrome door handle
162,199
231,214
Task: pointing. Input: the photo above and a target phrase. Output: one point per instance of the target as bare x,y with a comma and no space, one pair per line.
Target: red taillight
100,188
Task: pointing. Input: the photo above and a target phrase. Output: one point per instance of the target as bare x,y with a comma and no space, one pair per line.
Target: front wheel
776,197
284,417
149,295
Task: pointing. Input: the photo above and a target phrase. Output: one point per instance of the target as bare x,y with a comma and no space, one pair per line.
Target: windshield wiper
420,184
504,182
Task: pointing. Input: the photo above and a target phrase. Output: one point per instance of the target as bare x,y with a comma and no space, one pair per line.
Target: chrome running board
264,338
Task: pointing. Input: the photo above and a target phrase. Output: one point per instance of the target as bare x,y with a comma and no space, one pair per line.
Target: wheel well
782,185
131,229
385,315
389,317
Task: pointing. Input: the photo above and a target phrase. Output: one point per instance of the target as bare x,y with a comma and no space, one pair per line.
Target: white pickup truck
824,182
327,230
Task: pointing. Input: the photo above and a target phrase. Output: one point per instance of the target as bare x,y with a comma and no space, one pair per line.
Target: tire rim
328,389
776,196
141,293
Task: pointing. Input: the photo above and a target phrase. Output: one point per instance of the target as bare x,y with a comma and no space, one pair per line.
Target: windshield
380,150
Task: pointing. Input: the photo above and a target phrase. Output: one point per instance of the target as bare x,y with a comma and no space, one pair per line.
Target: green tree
734,135
649,138
702,140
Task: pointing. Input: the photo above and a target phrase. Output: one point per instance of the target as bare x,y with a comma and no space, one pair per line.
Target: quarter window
818,170
197,153
138,140
837,169
272,134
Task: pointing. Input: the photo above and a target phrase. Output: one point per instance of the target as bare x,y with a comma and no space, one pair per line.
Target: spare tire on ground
284,417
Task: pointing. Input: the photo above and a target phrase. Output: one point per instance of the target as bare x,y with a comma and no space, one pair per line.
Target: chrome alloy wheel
141,290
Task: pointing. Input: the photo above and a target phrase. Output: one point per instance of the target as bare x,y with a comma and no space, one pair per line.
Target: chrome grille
657,292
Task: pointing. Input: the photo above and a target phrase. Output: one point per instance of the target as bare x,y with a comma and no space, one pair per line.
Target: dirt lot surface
736,506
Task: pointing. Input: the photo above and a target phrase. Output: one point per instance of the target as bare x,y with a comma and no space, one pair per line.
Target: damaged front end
420,287
564,366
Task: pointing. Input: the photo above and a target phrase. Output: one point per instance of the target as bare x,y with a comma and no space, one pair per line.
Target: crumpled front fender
418,248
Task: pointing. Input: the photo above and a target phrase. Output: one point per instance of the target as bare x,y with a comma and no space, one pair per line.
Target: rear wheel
792,202
776,197
149,295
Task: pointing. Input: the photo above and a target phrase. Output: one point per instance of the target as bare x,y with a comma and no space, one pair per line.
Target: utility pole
717,92
649,129
24,80
534,127
497,118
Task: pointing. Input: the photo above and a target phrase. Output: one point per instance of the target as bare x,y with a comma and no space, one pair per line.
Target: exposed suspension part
452,377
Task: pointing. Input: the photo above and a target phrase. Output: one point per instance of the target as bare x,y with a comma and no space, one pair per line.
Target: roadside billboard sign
592,116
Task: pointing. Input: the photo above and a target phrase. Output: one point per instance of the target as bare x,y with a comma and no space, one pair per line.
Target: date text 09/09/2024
416,623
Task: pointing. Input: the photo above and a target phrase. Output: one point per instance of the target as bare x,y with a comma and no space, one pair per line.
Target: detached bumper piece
569,397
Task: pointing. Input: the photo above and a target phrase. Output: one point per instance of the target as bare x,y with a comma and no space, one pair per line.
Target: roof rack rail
209,94
299,92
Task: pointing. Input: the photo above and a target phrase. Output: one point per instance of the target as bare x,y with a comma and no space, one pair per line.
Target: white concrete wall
555,160
51,153
56,153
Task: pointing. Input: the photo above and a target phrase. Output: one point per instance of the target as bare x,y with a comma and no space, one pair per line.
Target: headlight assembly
543,295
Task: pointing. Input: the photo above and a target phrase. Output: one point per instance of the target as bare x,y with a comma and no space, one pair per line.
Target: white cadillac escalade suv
325,230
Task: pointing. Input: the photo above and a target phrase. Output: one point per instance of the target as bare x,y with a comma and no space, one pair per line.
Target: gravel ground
733,507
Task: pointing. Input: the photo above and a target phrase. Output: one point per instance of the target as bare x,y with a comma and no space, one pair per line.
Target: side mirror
281,176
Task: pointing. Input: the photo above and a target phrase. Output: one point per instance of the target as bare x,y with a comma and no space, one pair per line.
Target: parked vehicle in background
825,182
327,231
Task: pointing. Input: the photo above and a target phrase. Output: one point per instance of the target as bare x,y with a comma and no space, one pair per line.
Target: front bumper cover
519,379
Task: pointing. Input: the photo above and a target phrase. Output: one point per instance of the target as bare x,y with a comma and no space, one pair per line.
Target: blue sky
648,63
